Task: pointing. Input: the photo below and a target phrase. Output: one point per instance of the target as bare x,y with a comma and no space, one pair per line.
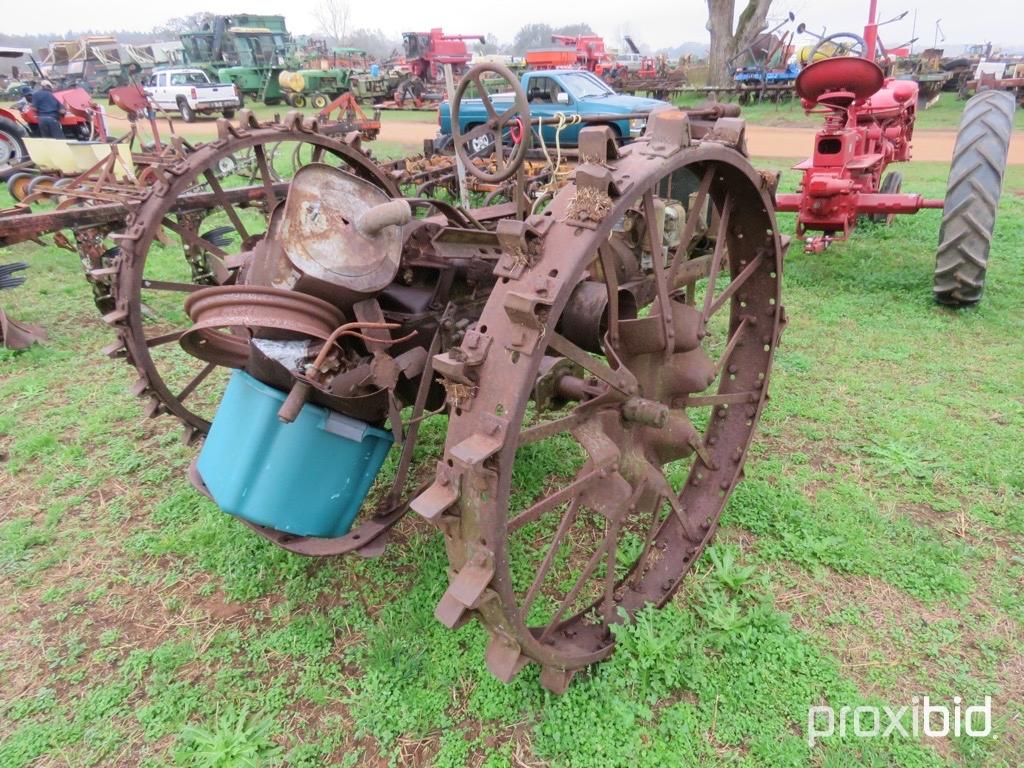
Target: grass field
875,552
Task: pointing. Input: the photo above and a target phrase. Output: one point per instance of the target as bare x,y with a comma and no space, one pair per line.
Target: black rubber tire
893,182
972,198
16,133
187,113
228,113
319,101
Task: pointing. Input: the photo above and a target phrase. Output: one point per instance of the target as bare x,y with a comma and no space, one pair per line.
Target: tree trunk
726,41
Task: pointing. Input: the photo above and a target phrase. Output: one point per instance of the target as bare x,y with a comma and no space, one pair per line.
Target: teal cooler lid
307,478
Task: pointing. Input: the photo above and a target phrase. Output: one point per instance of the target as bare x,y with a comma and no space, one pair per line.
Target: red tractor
590,52
427,52
82,121
869,123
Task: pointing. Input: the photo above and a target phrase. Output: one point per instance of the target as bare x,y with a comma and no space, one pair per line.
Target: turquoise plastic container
307,478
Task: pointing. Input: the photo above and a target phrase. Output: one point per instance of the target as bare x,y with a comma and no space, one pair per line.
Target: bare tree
726,40
332,18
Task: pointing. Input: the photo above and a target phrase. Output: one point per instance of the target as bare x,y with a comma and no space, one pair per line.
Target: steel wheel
558,519
216,227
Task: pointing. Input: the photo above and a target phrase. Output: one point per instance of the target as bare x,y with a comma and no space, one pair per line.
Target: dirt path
406,132
763,140
929,146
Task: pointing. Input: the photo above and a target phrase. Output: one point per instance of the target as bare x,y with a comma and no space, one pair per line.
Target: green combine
247,50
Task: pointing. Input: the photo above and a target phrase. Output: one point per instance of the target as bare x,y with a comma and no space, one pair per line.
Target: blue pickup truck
550,91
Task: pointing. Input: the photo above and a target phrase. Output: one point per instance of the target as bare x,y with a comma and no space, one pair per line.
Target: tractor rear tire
12,141
972,198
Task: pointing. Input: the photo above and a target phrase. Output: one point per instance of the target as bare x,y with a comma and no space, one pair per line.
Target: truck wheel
891,184
972,198
187,113
228,113
481,143
12,147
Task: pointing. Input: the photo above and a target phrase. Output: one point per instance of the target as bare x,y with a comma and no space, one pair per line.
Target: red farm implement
868,124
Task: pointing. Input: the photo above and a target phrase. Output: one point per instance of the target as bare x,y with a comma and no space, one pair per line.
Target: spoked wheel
216,228
564,514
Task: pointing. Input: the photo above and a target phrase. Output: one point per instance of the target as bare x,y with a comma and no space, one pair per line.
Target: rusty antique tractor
869,123
602,362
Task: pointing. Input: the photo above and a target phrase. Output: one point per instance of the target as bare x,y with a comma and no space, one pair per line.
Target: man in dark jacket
48,111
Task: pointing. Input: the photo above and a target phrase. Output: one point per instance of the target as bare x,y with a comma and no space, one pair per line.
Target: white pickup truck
190,92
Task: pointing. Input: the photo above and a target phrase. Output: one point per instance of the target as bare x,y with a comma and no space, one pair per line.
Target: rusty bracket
515,238
668,132
440,495
597,144
595,189
529,312
480,446
730,131
504,657
467,587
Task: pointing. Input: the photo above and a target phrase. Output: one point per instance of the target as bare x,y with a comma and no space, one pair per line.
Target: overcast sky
657,23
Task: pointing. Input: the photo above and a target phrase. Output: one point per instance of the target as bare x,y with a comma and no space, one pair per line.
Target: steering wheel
846,44
514,121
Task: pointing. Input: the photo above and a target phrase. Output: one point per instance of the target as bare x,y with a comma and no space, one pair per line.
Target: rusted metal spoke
556,541
620,378
167,338
554,427
734,285
690,272
196,381
729,398
608,607
268,182
548,503
191,238
485,97
611,279
223,202
693,217
658,259
716,258
166,285
508,114
588,571
409,444
733,341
